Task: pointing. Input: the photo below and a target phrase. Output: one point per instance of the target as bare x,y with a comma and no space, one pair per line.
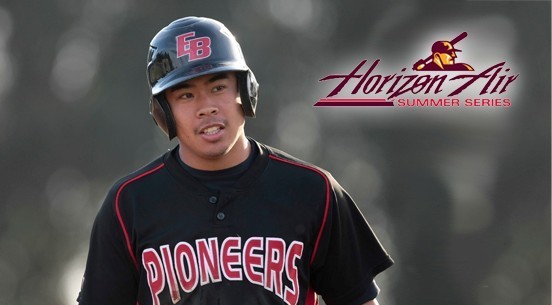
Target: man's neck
237,154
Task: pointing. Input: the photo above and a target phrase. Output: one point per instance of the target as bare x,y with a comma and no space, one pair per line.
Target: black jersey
285,232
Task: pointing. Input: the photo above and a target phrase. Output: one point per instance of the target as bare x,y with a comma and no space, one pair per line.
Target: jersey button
213,199
221,216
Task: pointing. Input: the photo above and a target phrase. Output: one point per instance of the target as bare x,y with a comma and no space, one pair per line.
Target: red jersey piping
120,218
327,207
312,297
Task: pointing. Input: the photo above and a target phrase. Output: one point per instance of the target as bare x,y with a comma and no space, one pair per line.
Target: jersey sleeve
111,276
349,254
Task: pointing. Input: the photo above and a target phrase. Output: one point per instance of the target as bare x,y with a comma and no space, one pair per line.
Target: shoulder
293,167
134,185
463,67
139,176
431,67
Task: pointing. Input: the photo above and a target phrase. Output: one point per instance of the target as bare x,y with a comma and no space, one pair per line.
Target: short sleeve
111,276
349,254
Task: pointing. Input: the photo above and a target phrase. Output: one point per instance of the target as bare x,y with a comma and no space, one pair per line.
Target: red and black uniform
282,233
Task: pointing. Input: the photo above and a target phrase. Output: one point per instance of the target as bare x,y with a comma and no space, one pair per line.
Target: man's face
209,120
447,58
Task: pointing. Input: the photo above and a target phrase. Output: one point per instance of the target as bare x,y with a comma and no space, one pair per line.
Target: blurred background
459,197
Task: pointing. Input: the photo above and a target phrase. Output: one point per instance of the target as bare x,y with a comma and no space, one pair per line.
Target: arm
349,254
110,275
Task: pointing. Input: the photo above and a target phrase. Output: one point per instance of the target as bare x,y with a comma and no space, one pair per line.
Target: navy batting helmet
190,47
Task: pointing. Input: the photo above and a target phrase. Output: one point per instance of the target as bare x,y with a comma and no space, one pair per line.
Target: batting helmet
443,47
190,47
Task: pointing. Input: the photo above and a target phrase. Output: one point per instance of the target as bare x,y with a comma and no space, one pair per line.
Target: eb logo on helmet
196,48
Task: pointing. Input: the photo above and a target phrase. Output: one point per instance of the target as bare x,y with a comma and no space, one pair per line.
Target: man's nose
207,107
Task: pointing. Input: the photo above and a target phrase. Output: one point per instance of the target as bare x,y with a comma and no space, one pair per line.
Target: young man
222,218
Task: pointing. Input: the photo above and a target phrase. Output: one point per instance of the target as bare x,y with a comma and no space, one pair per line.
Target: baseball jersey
284,233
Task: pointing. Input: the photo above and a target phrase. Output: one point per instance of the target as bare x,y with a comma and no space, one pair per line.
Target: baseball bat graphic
423,62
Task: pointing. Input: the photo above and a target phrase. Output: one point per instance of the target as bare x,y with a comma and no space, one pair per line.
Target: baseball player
443,58
222,218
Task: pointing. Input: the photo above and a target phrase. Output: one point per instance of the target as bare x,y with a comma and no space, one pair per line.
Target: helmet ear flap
161,113
249,92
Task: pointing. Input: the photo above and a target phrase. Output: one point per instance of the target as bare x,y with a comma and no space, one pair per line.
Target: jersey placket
220,202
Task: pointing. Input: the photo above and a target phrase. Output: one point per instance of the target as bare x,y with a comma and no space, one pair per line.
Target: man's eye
186,96
218,88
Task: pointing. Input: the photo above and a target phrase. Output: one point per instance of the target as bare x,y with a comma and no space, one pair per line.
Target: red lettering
274,266
264,261
154,269
184,256
208,258
252,260
346,79
295,251
169,270
230,259
196,48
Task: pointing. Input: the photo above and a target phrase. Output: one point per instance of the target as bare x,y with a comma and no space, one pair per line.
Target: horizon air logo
437,81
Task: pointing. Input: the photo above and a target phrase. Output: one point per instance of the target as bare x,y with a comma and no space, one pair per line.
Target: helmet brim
175,78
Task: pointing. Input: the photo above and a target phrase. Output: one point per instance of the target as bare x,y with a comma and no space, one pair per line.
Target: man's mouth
211,129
